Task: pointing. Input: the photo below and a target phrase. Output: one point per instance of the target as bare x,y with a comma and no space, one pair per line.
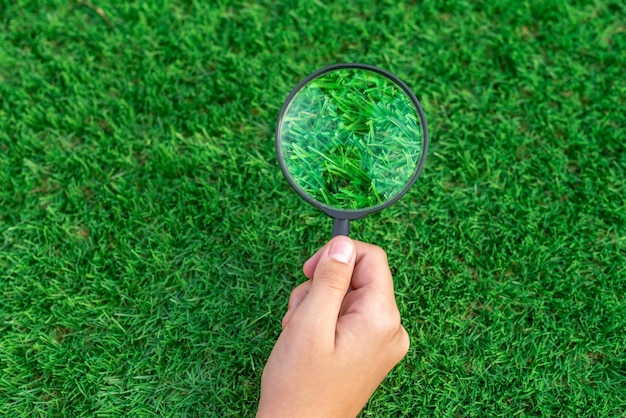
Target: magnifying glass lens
350,139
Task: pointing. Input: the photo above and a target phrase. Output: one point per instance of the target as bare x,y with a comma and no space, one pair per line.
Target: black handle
341,227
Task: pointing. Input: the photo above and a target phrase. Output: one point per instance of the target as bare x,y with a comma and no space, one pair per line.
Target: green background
148,241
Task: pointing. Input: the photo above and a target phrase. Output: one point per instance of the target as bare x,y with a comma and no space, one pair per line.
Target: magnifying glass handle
341,227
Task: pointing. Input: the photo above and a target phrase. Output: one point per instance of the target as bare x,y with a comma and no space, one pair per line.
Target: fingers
311,263
332,274
367,277
297,295
321,354
372,272
371,269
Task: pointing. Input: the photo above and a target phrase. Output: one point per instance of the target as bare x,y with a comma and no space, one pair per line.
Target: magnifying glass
351,139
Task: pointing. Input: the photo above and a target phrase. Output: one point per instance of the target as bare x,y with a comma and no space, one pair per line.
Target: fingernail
342,250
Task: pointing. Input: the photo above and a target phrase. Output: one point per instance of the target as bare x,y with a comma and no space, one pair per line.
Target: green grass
351,139
149,241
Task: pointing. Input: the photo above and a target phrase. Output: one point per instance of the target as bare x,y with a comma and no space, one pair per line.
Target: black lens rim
351,214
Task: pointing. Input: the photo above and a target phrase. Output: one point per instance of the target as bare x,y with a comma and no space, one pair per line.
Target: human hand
341,335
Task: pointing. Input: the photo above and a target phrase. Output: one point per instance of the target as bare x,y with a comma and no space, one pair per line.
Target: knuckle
386,324
379,253
404,342
298,293
335,278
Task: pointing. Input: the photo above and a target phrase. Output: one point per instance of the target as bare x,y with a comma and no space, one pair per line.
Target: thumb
331,279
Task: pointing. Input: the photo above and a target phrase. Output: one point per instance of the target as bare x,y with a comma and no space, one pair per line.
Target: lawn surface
149,242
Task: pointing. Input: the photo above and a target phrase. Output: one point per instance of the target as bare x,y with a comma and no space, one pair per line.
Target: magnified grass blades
351,139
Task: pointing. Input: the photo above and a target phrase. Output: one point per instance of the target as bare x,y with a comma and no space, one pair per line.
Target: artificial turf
350,138
149,242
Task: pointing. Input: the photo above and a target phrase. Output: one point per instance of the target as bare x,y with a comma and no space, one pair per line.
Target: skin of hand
341,335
